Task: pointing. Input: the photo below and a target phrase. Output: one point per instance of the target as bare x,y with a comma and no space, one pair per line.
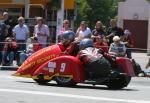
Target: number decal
63,66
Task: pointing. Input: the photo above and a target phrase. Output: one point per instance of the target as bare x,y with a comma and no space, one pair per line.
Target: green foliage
148,0
93,10
54,4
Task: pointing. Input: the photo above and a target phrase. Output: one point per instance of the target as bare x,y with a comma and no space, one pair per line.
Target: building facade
135,16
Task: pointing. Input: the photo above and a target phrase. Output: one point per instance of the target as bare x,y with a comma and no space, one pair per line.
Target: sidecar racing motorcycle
48,64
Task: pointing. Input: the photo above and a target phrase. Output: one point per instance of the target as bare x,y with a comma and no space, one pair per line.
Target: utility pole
27,8
148,44
60,18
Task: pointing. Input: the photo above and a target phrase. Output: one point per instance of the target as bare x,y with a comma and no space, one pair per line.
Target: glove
113,58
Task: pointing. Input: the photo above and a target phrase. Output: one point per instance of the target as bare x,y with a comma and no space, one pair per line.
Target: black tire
41,79
41,82
65,81
119,82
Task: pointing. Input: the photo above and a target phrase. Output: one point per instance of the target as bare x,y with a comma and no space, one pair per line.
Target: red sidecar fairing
36,60
64,66
126,65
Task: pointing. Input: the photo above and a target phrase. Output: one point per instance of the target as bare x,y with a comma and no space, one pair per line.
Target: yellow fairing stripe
45,77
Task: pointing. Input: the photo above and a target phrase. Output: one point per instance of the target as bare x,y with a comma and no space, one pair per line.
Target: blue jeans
129,53
23,57
22,45
7,57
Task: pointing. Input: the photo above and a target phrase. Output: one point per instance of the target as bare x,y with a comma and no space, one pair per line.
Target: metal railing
16,66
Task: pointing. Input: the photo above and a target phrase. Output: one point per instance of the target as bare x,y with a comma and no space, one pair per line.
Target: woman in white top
83,31
41,31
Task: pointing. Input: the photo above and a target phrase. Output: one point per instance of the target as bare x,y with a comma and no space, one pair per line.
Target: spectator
99,43
148,64
8,23
21,33
127,39
8,52
117,48
31,48
41,31
66,27
99,30
113,31
83,31
3,35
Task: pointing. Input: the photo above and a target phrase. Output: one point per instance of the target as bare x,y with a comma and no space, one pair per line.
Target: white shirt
86,33
21,33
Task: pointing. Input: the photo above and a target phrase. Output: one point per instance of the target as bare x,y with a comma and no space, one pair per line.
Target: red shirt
37,47
102,45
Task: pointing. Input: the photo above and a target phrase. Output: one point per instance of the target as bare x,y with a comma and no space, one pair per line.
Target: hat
83,22
116,38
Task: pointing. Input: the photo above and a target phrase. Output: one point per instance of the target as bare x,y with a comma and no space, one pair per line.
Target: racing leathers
72,49
95,62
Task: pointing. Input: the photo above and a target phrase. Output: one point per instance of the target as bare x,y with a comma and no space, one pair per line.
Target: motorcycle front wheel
65,81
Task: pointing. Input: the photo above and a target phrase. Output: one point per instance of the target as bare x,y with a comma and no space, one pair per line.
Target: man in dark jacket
3,34
113,30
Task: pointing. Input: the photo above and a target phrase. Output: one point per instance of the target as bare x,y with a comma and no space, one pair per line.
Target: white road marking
72,96
139,86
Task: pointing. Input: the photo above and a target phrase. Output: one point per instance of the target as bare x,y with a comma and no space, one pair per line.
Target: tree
93,10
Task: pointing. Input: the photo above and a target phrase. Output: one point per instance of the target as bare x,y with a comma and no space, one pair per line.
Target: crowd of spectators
14,39
113,40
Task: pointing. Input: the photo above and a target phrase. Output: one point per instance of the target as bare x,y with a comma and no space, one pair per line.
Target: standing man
21,33
113,30
8,23
3,35
41,31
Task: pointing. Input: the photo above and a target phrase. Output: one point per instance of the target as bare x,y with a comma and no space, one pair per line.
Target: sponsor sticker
51,66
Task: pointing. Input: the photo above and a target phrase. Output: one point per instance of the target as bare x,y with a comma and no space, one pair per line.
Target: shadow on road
80,86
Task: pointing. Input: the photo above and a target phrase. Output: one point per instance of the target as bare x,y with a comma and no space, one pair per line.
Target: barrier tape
134,49
140,49
9,66
27,43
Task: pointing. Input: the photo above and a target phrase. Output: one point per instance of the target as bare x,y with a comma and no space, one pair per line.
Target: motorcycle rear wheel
120,82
